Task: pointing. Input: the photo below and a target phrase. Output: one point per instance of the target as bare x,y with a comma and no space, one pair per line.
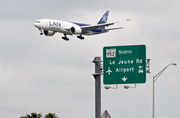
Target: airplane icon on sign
109,71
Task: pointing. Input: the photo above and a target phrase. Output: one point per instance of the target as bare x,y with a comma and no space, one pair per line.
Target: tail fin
104,18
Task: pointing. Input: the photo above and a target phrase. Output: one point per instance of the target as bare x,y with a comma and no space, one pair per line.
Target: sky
47,74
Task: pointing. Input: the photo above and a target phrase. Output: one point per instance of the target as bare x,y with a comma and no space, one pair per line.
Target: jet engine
76,30
49,33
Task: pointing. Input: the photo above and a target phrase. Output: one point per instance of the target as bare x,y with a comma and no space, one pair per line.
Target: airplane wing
90,27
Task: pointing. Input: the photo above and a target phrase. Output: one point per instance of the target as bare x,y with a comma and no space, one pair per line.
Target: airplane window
38,22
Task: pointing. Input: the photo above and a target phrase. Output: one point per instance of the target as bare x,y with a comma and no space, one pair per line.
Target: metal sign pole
97,76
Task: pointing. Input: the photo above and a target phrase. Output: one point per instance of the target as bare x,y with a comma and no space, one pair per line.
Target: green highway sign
124,64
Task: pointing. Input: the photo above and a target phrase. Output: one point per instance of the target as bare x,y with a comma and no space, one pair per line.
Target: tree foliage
33,115
51,115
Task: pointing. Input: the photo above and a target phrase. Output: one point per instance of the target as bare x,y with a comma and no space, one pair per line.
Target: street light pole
155,78
153,96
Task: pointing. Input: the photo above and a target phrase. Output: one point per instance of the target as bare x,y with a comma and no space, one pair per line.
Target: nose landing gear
41,32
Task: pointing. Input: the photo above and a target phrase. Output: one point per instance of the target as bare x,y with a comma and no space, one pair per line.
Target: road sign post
97,76
124,64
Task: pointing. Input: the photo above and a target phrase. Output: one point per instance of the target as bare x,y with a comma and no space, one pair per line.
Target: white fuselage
57,26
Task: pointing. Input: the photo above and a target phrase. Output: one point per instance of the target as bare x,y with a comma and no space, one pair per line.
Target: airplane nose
35,24
40,24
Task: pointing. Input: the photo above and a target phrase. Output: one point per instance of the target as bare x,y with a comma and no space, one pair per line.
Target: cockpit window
38,22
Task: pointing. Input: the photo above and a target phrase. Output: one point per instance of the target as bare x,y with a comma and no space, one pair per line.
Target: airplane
49,27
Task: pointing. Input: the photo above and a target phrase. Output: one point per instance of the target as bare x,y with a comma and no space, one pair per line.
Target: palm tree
33,115
23,117
50,115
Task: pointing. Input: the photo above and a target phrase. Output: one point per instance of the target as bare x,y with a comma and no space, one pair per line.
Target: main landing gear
65,38
80,37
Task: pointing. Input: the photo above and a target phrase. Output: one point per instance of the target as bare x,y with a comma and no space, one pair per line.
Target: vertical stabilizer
104,18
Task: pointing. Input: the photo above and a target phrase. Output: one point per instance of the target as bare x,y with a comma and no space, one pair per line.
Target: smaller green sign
124,64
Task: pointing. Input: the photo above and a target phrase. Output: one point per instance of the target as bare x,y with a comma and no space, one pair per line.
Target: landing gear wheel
65,38
80,37
41,32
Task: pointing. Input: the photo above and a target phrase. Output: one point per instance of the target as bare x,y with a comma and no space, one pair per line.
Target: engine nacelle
76,30
49,33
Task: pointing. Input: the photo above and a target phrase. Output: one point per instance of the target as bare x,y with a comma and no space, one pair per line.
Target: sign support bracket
148,65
